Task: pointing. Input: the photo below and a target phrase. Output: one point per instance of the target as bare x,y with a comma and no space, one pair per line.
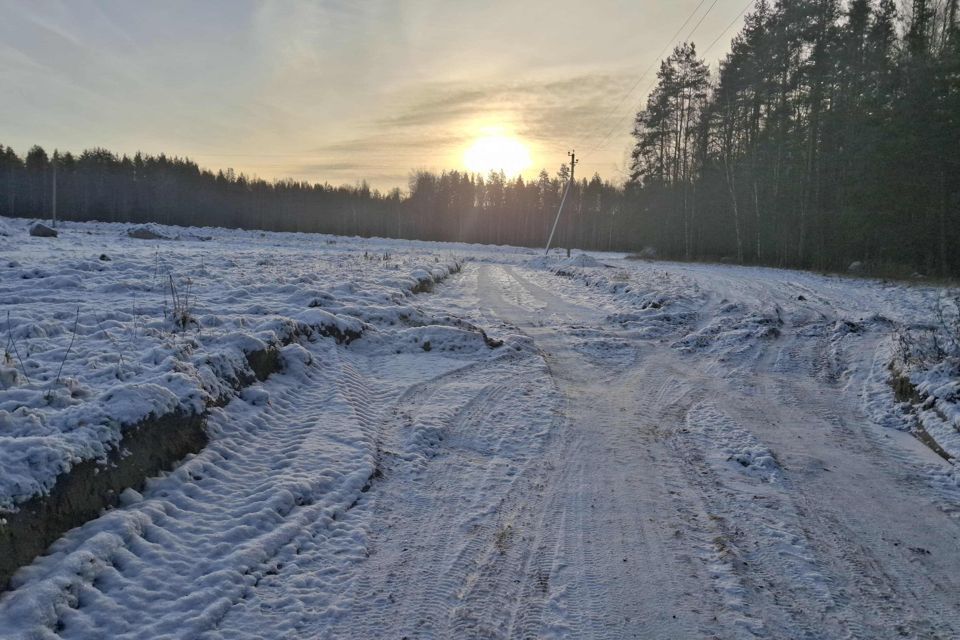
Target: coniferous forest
830,134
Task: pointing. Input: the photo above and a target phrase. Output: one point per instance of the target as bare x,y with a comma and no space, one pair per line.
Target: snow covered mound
541,262
729,446
735,332
7,227
653,302
581,260
926,374
554,264
103,330
148,232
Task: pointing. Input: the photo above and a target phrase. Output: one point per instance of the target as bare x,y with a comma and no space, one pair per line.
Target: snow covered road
734,492
658,451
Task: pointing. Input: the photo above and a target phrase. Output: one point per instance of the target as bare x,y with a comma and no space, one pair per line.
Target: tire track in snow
779,584
884,598
302,592
572,492
788,573
620,573
448,515
176,561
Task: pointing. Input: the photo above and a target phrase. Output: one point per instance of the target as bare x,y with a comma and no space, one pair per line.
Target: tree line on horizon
456,206
831,134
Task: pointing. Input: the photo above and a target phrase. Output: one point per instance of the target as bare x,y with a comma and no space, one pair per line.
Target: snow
928,355
128,359
8,227
656,449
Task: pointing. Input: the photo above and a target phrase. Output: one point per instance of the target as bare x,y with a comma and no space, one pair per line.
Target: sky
342,91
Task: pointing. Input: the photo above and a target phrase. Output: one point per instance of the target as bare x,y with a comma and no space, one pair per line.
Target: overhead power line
646,71
700,21
606,138
571,180
729,26
671,42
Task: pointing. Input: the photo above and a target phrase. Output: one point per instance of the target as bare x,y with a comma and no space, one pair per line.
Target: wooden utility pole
573,163
54,198
573,182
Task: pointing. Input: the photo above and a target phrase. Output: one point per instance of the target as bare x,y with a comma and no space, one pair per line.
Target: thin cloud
339,90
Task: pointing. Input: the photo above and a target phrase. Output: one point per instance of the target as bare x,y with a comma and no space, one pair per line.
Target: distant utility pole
573,164
54,198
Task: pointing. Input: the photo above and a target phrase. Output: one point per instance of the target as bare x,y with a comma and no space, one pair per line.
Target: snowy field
533,448
102,330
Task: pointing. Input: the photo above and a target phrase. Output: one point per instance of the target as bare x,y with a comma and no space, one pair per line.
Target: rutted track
254,491
784,514
452,515
716,475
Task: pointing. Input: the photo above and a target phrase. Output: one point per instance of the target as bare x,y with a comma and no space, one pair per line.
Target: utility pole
573,163
569,223
54,198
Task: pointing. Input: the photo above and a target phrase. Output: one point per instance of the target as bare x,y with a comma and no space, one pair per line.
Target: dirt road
713,467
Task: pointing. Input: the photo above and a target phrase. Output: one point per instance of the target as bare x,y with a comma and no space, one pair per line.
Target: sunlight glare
495,153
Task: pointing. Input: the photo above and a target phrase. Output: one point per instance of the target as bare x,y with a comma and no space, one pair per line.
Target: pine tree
663,157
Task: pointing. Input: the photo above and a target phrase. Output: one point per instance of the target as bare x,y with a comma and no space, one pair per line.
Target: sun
497,153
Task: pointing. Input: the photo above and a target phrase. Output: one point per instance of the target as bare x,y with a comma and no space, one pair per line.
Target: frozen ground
101,330
656,451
